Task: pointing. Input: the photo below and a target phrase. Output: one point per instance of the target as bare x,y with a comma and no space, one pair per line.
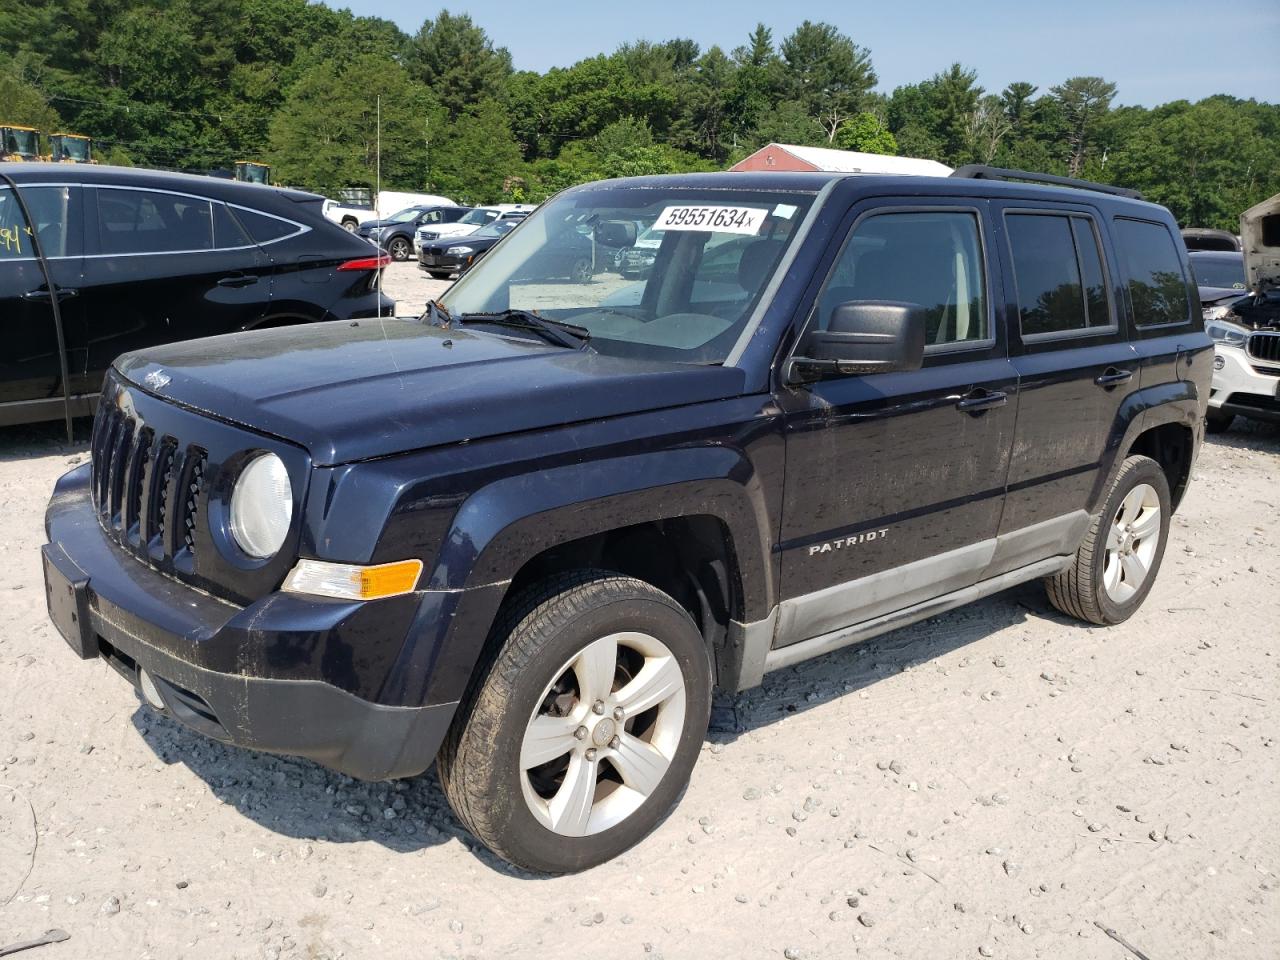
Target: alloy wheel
1132,543
603,734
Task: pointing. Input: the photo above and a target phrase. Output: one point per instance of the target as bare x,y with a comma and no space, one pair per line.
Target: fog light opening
150,692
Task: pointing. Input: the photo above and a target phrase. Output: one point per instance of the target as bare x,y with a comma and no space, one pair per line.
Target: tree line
198,84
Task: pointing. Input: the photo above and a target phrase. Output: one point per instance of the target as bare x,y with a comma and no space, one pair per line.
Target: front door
895,481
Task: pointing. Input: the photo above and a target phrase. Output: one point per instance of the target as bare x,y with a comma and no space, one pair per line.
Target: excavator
19,144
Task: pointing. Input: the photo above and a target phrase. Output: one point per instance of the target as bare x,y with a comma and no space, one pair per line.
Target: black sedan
141,257
457,255
394,234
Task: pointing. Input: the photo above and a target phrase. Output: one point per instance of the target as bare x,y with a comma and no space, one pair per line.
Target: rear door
30,371
895,481
166,266
1075,365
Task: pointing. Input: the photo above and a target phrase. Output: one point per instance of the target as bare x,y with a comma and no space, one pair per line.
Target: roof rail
980,171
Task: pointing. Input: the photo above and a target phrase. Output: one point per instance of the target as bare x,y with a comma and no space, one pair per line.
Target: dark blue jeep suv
526,535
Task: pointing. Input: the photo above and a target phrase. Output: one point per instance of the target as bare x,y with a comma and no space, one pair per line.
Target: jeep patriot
527,534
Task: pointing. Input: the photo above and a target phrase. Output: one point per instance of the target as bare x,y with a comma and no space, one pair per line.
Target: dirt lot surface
410,287
998,781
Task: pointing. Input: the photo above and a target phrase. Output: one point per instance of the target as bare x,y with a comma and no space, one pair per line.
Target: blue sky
1153,51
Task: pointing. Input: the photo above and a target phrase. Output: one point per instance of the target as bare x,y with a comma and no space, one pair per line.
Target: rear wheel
580,735
1216,421
350,225
399,249
580,272
1116,563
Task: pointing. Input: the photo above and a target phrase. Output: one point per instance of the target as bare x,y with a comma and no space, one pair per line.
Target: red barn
786,156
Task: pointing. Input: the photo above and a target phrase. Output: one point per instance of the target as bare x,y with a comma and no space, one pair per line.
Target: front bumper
441,262
109,605
1244,386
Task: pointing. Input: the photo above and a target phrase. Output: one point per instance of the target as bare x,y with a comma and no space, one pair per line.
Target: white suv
470,223
1246,333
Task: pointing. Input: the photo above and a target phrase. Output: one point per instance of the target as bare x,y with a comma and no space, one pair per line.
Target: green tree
827,73
1085,100
477,160
459,62
866,133
325,135
24,103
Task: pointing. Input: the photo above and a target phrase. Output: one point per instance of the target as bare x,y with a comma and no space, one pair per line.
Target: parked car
352,216
526,535
395,233
1203,238
141,257
1246,329
443,258
469,224
572,259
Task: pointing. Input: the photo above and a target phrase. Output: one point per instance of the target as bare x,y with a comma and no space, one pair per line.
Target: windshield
73,148
21,142
1219,272
499,228
686,295
405,215
478,216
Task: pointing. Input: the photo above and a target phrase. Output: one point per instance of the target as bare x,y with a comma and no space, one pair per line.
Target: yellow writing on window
11,238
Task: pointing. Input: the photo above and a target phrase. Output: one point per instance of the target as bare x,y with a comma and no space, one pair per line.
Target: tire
580,272
437,275
1113,570
399,249
1215,421
492,765
350,225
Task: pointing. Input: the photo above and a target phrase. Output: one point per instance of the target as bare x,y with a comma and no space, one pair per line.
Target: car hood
351,391
1260,235
443,230
1210,295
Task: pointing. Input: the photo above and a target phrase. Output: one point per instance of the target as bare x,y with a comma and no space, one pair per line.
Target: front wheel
399,249
437,275
1116,564
582,731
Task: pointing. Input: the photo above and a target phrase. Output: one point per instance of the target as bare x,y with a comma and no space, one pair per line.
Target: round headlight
262,506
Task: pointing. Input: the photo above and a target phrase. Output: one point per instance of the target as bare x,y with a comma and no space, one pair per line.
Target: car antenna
53,302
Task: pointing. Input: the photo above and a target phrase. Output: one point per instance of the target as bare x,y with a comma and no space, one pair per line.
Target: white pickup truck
389,202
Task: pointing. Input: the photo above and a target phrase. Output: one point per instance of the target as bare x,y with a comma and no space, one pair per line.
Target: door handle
64,293
239,280
1113,377
979,399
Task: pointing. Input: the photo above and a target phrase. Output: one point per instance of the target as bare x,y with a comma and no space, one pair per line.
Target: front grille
134,481
1264,347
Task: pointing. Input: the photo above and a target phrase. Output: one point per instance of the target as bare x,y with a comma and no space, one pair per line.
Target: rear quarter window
263,227
1153,270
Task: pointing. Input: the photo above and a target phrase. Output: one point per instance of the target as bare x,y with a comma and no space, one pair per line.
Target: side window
50,209
933,258
432,216
263,227
227,233
1057,268
1157,285
149,221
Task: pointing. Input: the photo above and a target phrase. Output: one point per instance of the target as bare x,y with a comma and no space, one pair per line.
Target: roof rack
980,171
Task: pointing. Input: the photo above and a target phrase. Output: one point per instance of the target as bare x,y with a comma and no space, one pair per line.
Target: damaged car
1246,332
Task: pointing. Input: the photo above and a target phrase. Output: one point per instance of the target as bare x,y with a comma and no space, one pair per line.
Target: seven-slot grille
146,487
1264,347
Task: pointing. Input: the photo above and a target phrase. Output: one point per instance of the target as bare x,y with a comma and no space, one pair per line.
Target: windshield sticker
784,211
711,219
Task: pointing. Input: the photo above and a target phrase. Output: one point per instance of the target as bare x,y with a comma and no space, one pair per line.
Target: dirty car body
693,443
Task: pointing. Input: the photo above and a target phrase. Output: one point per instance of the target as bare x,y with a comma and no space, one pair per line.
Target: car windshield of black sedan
405,215
499,228
651,273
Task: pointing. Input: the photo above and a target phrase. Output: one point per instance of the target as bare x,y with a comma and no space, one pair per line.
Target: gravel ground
999,781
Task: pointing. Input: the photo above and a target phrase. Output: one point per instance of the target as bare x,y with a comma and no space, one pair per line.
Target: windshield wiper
562,334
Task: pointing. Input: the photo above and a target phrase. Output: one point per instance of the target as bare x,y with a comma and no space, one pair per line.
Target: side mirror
616,233
864,336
